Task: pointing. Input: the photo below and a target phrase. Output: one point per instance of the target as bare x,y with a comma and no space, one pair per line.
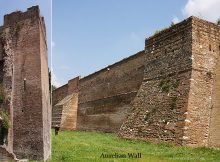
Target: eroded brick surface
105,96
188,52
25,77
169,93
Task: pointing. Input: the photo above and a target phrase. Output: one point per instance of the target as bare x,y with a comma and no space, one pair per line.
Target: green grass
76,146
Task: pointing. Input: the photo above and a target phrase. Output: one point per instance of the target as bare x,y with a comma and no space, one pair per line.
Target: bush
2,94
218,21
5,120
165,85
173,102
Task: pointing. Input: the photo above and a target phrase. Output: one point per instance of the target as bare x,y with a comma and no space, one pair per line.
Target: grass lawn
76,146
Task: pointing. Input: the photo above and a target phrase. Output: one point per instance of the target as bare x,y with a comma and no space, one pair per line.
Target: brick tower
25,72
179,98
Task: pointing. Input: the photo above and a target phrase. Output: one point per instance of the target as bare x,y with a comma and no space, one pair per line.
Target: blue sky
91,34
8,6
88,35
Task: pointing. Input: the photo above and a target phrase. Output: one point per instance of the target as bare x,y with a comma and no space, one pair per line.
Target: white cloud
205,9
54,80
175,20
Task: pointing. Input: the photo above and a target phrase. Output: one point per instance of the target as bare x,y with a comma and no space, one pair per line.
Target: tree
49,73
218,21
53,87
172,24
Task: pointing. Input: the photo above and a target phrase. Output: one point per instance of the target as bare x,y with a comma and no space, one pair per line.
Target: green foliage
1,99
159,31
149,114
71,146
218,22
53,87
164,85
172,24
5,120
2,94
176,84
49,76
2,35
3,113
173,100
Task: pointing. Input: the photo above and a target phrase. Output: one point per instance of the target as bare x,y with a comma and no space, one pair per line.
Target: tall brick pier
24,75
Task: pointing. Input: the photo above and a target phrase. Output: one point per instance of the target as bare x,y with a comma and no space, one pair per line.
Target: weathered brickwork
6,78
183,52
202,127
25,76
159,107
104,96
59,94
65,112
169,92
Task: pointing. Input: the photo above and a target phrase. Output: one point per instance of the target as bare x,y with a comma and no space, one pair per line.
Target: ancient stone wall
104,96
65,105
160,105
122,77
168,93
180,104
203,124
46,102
7,56
26,58
73,85
59,94
69,113
1,59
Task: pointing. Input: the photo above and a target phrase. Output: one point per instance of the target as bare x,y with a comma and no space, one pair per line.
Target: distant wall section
105,96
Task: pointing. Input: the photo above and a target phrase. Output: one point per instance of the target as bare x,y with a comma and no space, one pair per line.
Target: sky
89,35
8,6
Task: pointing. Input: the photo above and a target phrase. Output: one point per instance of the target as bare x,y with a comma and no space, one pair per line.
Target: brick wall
122,77
203,105
59,94
105,96
24,33
6,80
168,93
187,113
1,60
46,102
69,113
160,105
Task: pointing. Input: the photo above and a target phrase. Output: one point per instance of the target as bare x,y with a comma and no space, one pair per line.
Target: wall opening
210,47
